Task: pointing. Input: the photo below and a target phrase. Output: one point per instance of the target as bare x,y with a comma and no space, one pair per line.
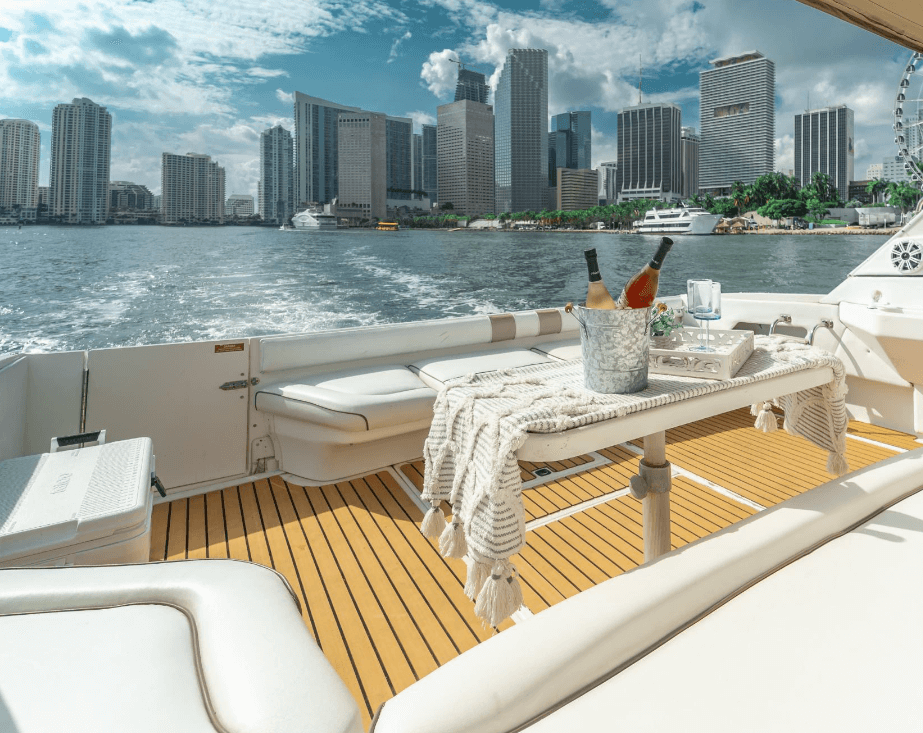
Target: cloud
439,73
285,97
394,46
261,73
420,118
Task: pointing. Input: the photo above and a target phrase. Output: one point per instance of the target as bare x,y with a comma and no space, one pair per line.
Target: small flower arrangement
663,320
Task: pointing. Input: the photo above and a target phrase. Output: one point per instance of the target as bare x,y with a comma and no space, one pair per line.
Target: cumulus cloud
285,97
439,73
420,118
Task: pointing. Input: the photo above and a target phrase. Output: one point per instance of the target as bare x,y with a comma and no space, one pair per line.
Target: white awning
900,21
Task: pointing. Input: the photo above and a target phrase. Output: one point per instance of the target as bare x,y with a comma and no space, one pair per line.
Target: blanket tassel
477,574
501,595
452,540
766,420
836,464
434,522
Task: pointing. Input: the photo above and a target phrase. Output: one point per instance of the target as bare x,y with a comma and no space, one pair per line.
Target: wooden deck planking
387,609
883,435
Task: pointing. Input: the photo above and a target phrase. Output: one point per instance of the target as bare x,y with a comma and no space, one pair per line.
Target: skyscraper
824,144
608,172
430,165
577,189
648,143
19,160
689,152
192,189
737,103
399,134
315,179
521,138
276,188
362,160
416,151
471,85
466,156
238,206
578,128
80,148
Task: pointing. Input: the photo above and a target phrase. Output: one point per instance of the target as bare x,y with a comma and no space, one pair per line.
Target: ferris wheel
908,119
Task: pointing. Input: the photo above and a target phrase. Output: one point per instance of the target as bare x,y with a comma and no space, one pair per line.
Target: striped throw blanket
481,420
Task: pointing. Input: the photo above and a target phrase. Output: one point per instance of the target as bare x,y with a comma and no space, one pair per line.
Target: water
76,288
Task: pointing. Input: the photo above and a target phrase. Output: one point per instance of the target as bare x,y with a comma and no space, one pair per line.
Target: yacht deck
387,609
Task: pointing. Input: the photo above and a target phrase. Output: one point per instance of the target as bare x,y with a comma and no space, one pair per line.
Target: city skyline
216,93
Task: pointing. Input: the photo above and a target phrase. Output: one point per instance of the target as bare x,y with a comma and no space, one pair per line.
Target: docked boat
288,585
681,220
387,226
314,218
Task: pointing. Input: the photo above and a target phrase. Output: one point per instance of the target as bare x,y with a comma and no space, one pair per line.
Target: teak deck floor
387,609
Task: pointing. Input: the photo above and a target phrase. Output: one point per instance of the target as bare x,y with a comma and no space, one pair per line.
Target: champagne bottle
597,295
641,290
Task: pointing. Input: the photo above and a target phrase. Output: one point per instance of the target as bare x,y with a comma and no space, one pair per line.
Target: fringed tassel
452,541
766,420
434,522
477,574
755,409
501,595
836,464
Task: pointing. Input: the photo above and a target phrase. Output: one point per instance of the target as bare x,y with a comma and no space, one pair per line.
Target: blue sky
198,76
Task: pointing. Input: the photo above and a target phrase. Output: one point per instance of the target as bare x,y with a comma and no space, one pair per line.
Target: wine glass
704,304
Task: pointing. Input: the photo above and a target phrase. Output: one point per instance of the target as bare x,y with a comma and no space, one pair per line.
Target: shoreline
880,232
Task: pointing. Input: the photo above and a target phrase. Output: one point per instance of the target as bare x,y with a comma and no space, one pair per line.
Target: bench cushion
354,400
568,350
438,370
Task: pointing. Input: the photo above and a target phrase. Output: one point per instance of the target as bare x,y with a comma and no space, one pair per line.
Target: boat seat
199,645
568,350
814,602
355,400
436,371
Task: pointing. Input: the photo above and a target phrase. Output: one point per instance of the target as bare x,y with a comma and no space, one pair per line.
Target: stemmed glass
704,303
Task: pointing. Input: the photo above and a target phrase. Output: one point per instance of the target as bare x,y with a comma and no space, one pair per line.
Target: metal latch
155,483
239,384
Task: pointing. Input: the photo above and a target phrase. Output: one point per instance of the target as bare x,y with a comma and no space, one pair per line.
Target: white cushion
354,400
438,370
162,646
568,350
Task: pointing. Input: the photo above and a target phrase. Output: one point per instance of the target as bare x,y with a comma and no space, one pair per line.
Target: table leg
656,502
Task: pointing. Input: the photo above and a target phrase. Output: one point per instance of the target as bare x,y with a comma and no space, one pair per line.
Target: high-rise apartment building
873,171
608,172
465,131
416,159
737,108
824,144
521,138
649,149
399,136
192,189
892,169
20,147
276,187
238,206
128,196
430,164
471,85
577,189
689,154
315,179
362,160
81,135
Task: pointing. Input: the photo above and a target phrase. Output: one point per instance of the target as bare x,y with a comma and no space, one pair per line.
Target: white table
653,424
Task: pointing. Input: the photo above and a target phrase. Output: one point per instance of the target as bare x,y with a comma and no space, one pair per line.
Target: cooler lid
55,499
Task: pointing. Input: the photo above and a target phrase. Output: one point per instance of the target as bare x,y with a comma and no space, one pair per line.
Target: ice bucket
615,346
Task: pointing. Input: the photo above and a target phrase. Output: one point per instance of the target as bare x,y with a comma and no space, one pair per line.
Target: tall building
577,189
315,179
471,85
608,172
578,127
824,144
238,206
362,160
892,169
558,144
276,187
521,116
689,154
20,147
416,157
192,189
874,171
737,109
430,164
128,196
399,135
465,131
80,148
649,145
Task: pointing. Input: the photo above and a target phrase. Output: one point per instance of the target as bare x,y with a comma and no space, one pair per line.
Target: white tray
730,350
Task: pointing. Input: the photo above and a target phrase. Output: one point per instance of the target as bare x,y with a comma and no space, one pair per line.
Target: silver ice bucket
615,346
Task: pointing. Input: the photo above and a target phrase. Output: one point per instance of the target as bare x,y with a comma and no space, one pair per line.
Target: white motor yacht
681,220
314,218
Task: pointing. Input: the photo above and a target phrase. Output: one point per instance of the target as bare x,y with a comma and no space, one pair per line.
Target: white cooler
88,506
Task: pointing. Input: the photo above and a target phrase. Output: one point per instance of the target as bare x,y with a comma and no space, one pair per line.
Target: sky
198,76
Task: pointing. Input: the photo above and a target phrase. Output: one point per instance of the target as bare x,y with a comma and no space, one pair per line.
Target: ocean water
67,288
